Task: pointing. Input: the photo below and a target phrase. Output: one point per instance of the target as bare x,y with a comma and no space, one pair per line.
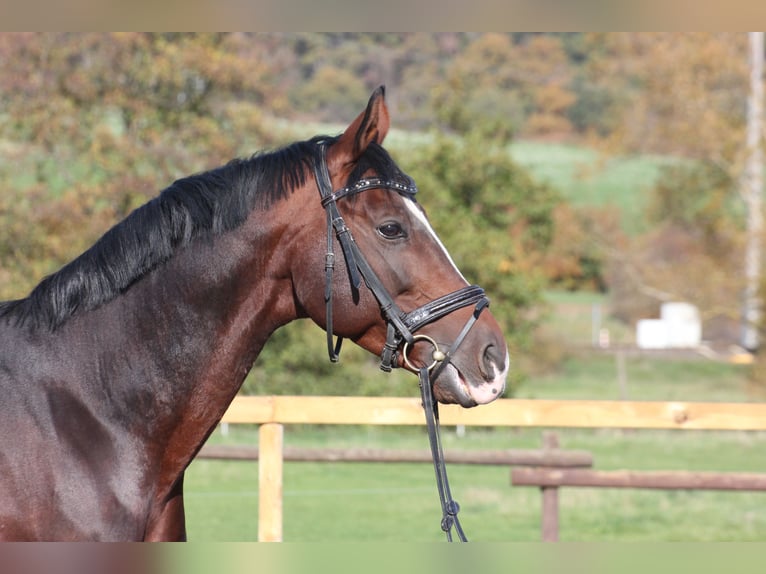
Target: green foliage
332,91
502,86
481,89
295,362
697,197
39,234
687,253
576,259
95,124
593,108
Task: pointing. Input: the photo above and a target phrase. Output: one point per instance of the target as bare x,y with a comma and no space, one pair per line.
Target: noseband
400,326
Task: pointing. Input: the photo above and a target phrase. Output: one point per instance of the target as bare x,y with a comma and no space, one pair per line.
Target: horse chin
452,388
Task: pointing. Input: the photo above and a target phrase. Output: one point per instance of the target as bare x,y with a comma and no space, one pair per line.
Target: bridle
401,326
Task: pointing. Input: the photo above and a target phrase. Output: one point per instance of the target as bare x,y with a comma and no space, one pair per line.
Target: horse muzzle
467,377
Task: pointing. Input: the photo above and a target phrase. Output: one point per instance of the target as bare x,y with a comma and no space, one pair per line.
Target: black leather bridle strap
428,313
388,306
335,224
450,507
356,263
333,350
443,306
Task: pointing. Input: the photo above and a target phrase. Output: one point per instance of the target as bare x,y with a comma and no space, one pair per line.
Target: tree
679,93
101,122
507,87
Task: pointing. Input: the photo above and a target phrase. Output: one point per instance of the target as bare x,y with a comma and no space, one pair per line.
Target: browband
409,189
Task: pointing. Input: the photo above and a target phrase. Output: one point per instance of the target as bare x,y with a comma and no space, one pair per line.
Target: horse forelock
376,159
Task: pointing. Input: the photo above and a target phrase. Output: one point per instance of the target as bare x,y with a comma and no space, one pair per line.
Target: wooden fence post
550,520
270,444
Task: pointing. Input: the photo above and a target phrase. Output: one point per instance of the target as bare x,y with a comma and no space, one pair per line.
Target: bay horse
116,368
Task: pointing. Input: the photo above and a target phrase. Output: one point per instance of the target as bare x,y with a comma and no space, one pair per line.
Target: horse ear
370,126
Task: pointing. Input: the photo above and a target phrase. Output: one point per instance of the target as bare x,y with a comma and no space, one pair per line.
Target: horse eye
391,230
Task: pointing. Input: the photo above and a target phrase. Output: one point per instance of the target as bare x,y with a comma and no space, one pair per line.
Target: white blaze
420,216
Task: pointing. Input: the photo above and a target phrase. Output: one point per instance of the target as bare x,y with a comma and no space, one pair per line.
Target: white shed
679,327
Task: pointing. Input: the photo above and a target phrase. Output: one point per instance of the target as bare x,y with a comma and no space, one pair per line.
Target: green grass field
398,502
587,178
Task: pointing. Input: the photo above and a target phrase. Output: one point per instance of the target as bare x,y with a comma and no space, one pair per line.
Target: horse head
374,208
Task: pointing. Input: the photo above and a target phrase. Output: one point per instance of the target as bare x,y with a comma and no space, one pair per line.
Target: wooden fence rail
660,480
502,412
504,457
550,480
273,412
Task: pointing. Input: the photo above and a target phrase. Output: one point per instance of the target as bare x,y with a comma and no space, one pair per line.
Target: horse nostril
493,361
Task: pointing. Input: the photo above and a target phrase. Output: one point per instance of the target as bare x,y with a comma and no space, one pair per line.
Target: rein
450,507
400,326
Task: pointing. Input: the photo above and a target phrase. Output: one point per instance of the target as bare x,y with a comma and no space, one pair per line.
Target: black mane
205,204
202,205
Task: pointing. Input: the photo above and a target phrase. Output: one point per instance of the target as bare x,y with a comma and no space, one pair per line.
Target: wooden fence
275,411
549,480
502,412
499,457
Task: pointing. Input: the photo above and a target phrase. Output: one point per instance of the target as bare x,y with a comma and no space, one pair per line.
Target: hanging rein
400,326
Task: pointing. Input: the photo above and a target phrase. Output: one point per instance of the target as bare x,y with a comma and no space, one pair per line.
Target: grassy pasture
587,178
398,502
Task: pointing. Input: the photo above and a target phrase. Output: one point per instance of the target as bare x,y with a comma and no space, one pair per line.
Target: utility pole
752,188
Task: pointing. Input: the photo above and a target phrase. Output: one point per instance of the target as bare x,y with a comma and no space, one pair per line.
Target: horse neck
181,341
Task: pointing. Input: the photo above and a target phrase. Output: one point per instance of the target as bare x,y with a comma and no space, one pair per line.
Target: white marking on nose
488,392
501,377
421,217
